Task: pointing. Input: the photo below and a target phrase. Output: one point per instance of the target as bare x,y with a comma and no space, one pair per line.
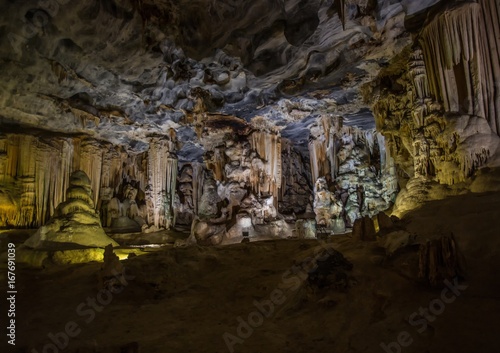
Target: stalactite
384,153
267,179
35,171
198,177
134,168
323,147
219,163
45,173
491,51
24,157
40,170
319,161
27,204
418,74
460,49
91,163
3,158
162,172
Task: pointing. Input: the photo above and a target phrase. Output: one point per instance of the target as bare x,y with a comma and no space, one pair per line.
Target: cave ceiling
122,71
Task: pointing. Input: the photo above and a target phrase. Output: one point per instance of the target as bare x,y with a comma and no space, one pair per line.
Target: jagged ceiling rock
121,71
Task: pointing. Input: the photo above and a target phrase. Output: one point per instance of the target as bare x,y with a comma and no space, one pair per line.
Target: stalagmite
75,222
439,260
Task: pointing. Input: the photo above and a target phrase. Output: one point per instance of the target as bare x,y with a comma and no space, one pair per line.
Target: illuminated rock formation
35,174
162,178
75,221
351,171
265,176
424,139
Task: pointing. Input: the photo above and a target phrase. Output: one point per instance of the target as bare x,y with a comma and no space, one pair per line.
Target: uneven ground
185,299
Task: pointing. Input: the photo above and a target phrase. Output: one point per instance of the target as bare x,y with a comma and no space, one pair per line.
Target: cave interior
250,176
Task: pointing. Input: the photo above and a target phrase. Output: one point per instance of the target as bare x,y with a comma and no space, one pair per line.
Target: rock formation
226,127
351,172
436,102
75,221
440,260
364,229
112,273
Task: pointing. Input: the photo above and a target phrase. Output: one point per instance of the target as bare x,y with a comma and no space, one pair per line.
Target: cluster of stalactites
291,171
461,50
418,75
35,176
266,171
323,147
331,135
35,173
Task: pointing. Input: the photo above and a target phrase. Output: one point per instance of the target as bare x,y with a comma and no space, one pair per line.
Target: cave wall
251,179
437,101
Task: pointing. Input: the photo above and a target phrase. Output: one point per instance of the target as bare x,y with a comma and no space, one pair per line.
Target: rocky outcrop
112,273
75,221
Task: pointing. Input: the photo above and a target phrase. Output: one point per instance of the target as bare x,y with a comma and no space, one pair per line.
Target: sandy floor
186,299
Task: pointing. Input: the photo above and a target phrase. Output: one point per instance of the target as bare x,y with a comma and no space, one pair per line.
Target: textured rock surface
118,72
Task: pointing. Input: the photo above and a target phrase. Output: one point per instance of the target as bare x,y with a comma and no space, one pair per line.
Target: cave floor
186,299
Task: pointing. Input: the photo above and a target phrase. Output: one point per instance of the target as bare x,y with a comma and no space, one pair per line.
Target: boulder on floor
364,229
